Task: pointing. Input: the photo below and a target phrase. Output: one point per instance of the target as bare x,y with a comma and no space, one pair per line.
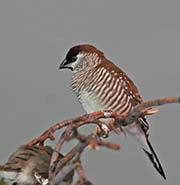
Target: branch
68,163
60,168
82,178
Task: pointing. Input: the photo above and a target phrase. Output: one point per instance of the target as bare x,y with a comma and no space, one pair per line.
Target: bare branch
60,168
82,178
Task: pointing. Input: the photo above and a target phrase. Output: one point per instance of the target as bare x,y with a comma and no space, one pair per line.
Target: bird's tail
153,158
140,131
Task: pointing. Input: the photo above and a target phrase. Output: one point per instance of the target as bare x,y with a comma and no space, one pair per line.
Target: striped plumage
25,162
101,85
110,87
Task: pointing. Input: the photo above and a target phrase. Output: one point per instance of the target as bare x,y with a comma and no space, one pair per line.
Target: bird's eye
73,59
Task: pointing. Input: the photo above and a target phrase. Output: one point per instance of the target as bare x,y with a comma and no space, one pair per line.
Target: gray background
142,37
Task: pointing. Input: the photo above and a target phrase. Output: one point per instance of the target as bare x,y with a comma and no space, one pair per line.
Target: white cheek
80,55
78,60
73,65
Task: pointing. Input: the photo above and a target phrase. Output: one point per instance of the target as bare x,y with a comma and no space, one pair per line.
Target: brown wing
129,87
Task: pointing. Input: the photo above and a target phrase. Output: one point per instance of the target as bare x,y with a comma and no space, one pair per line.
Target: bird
29,165
101,85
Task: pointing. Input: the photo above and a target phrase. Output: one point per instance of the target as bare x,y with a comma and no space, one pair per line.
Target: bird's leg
102,130
117,130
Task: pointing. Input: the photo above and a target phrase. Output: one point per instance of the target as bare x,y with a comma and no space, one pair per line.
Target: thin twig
82,178
59,169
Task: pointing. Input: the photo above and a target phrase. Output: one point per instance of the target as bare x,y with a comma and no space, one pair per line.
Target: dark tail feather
154,159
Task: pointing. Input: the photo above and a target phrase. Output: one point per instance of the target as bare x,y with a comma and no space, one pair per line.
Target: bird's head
81,56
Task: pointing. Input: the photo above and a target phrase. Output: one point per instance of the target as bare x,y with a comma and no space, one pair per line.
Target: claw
105,130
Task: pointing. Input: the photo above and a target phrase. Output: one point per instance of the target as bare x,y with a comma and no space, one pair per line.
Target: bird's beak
63,64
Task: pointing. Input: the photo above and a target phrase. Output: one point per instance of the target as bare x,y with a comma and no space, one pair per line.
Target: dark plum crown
74,51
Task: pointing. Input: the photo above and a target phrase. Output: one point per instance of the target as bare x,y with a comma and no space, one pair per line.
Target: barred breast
101,85
105,87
